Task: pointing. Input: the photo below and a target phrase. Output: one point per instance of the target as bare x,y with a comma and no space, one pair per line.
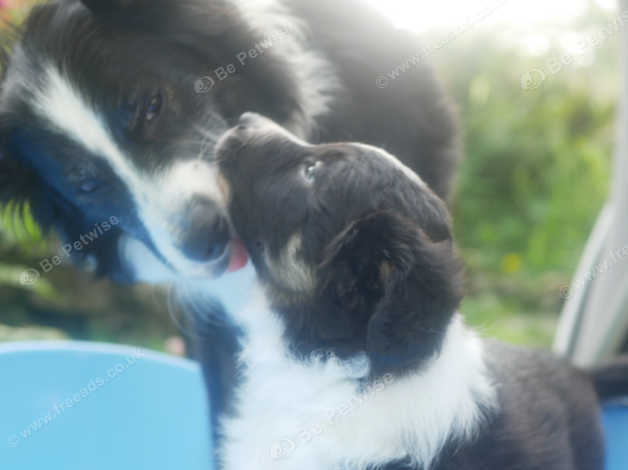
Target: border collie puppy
113,108
352,354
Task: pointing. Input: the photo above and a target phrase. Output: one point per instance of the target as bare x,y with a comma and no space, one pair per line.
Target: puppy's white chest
314,415
292,415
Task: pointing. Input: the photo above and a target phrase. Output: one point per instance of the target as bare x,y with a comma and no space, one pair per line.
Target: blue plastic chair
616,427
77,406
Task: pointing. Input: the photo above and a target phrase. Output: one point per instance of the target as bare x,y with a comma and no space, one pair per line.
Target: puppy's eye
88,186
310,170
153,109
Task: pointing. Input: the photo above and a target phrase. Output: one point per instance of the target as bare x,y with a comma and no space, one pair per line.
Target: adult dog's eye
88,186
310,170
154,108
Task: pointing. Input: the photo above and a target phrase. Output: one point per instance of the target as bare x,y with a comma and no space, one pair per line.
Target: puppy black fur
387,284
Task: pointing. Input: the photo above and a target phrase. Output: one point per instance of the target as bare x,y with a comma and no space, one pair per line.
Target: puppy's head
102,115
354,250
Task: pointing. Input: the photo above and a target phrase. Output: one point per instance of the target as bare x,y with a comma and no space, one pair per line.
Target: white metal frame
594,321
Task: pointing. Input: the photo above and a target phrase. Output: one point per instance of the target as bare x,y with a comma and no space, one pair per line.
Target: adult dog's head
354,251
112,108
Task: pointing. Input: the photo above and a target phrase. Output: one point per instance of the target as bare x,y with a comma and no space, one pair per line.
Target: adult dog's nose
205,231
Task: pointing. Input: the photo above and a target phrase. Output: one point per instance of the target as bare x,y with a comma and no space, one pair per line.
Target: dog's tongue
239,256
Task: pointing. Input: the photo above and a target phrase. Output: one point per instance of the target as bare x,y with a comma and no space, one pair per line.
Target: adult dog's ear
402,286
111,6
22,190
15,179
151,13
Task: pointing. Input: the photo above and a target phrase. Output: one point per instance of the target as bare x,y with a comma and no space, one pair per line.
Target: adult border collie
352,354
112,108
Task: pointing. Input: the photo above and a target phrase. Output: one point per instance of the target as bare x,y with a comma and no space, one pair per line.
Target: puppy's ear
400,284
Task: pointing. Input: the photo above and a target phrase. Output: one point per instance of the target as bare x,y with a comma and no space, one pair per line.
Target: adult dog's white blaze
311,415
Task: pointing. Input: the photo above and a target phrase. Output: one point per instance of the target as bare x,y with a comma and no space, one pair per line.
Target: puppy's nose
248,120
205,232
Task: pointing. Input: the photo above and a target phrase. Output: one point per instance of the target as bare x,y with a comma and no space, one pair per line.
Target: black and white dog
352,355
113,108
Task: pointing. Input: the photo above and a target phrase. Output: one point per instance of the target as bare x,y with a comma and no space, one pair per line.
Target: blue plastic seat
77,406
616,427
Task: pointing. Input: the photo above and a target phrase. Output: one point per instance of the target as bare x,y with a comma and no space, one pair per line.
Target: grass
507,320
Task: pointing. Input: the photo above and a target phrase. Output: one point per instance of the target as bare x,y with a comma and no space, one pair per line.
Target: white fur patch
146,267
160,198
315,77
290,270
307,416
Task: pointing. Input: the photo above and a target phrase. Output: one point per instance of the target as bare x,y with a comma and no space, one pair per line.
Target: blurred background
536,84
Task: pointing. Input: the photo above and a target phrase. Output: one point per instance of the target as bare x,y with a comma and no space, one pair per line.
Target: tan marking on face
290,271
385,271
224,187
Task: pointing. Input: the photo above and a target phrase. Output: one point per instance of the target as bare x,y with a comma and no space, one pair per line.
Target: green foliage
536,170
535,175
19,226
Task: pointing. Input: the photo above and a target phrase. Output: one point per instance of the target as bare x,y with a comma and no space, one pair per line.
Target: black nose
205,231
249,119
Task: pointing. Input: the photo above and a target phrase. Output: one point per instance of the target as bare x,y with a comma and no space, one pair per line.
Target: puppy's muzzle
250,126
